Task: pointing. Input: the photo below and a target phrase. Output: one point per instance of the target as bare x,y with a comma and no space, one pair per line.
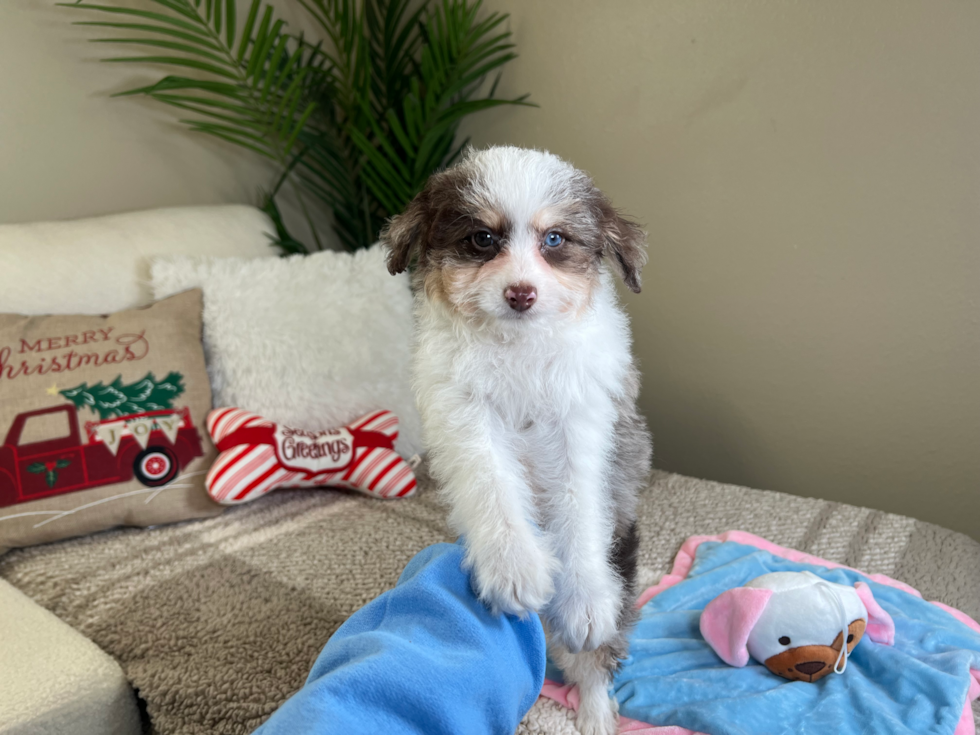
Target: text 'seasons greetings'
65,353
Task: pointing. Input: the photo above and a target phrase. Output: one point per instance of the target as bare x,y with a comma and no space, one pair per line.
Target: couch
208,626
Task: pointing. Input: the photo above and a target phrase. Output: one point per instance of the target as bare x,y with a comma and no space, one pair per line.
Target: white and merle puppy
528,390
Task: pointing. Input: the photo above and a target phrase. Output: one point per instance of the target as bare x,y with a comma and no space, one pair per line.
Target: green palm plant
355,121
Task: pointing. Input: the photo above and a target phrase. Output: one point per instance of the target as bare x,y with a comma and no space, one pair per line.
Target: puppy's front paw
513,577
584,619
598,717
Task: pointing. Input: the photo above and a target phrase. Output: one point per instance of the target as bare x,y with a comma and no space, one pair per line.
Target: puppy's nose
520,296
810,667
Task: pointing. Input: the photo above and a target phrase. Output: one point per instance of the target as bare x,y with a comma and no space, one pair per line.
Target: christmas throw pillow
102,421
258,456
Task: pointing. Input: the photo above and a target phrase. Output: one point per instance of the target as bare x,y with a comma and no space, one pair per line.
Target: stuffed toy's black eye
850,638
784,641
482,239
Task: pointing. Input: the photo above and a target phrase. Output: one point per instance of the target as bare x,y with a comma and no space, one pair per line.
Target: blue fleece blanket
424,658
672,676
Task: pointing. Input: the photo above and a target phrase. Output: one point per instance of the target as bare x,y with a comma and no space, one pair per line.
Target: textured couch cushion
54,680
100,265
217,622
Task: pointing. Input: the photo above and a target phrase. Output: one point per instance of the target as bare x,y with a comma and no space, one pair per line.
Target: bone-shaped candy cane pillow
257,456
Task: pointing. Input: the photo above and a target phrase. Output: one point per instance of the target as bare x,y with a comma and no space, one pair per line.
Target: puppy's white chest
526,384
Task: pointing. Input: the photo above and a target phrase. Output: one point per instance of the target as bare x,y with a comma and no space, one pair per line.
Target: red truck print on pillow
138,436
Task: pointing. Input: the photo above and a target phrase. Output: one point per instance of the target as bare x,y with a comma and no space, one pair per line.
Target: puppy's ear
624,243
406,233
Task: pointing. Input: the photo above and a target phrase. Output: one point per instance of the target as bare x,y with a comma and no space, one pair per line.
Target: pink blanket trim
567,695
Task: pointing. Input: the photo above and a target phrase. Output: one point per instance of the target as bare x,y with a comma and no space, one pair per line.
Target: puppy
527,391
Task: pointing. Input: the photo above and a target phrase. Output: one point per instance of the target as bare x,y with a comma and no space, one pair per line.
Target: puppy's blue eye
482,239
553,239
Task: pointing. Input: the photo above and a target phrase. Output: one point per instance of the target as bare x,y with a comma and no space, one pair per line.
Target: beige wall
68,150
809,173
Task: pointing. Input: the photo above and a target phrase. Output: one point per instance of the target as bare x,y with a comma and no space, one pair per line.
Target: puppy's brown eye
482,239
785,641
850,638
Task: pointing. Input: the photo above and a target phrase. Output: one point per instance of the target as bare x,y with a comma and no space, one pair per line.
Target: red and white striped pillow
258,456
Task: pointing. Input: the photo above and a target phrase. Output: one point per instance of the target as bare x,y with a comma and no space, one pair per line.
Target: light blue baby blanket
672,677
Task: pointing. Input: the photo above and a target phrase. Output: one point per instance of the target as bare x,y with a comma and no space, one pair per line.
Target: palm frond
357,120
415,137
229,77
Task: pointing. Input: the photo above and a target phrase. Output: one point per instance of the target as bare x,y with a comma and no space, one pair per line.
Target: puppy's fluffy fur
528,391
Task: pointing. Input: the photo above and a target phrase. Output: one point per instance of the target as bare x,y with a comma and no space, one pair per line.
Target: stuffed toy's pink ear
881,627
729,618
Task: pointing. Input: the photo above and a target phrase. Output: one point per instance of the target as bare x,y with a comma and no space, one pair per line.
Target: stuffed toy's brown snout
811,663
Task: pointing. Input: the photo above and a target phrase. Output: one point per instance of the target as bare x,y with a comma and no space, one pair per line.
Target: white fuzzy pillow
310,341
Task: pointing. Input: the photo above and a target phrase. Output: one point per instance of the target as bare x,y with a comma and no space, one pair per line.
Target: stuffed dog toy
801,627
